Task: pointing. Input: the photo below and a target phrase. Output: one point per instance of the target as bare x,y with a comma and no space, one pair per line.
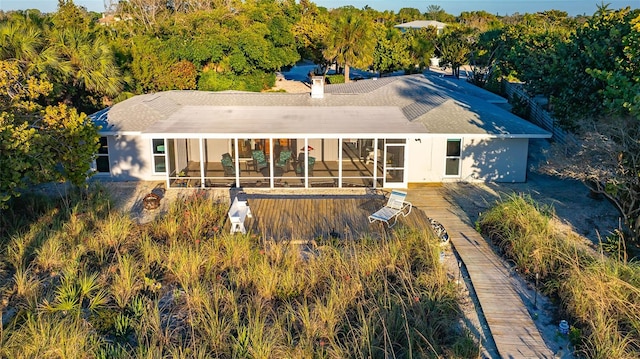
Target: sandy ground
291,86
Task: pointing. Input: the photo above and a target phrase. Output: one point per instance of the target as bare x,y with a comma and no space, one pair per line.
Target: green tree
581,66
621,92
407,14
71,141
24,42
230,45
87,66
310,32
437,13
422,45
39,144
351,43
479,20
150,64
593,87
391,52
530,49
69,15
454,48
484,58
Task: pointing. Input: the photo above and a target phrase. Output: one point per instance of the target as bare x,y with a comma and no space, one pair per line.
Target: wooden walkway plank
510,324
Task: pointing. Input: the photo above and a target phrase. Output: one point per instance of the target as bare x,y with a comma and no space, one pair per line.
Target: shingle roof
394,105
419,24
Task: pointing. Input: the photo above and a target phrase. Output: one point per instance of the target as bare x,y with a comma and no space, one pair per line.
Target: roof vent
317,87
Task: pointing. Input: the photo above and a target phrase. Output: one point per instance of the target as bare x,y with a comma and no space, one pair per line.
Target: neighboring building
110,19
390,132
421,24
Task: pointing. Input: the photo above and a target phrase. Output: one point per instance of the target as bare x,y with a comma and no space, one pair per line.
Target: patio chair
310,164
259,161
227,165
374,154
396,206
283,160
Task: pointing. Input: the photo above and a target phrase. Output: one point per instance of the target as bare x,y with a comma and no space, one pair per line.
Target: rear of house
389,132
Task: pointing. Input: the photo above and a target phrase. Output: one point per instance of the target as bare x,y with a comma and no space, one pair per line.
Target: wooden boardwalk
510,324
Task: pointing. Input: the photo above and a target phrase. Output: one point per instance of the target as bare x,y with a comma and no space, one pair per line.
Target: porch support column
340,152
375,162
236,159
306,161
167,164
271,172
201,142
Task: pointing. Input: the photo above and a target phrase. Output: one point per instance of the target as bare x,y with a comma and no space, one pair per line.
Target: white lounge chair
396,205
237,213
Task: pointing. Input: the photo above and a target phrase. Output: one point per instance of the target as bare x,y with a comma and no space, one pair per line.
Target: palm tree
26,44
87,63
351,43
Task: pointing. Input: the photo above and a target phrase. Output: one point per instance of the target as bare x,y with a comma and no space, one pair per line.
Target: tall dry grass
93,283
600,293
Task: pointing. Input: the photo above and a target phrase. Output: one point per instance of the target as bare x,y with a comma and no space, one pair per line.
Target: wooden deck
306,217
511,326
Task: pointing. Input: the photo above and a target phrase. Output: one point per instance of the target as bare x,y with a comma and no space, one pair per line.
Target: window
159,163
452,163
102,158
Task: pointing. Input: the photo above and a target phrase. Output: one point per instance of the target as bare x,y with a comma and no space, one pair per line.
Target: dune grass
79,280
600,293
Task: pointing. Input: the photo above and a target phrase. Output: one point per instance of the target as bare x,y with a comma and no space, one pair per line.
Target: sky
454,7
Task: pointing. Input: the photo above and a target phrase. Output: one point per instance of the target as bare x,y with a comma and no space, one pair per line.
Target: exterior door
394,164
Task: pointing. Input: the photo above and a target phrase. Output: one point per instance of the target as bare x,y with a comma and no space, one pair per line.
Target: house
421,24
390,132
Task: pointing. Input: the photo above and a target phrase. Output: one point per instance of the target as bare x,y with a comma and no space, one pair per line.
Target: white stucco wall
497,160
214,148
130,159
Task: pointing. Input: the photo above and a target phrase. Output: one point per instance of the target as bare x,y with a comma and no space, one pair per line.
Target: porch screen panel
193,158
182,173
357,162
220,163
180,156
323,167
284,162
255,165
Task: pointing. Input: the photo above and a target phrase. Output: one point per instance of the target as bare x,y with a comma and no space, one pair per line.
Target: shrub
335,79
601,294
254,82
180,287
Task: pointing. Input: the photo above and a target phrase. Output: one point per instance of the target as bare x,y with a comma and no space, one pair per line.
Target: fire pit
151,201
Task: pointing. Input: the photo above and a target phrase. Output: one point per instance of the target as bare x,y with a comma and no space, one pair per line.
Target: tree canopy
588,69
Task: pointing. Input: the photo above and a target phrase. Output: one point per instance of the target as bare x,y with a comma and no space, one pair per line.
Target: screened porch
279,162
